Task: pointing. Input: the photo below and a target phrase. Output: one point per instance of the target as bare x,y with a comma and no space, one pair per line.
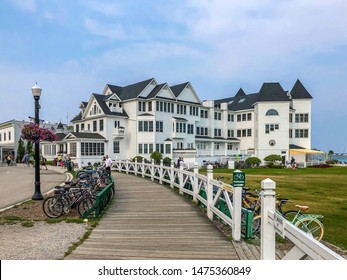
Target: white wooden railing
195,185
272,223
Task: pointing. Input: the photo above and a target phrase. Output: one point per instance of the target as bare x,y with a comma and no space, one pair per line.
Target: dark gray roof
240,93
87,135
180,119
130,91
299,91
292,146
77,118
155,91
177,89
272,92
60,136
101,100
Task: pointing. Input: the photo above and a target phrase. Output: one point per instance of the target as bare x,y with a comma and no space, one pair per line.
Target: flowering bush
34,133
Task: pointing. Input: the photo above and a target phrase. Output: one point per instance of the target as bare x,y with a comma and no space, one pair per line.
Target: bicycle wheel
85,204
53,207
311,226
290,215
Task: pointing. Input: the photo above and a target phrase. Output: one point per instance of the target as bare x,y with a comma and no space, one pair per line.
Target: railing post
267,233
209,192
152,170
172,174
238,184
135,171
181,178
120,166
161,172
127,166
195,182
143,168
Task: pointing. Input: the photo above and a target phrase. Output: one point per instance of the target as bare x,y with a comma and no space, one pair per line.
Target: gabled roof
299,91
272,92
133,91
177,89
84,135
78,117
156,90
60,136
102,103
240,93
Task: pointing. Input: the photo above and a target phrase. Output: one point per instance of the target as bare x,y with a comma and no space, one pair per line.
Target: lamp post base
37,195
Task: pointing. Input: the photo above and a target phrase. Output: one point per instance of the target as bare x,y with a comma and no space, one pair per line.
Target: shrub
167,161
253,161
139,159
271,160
156,156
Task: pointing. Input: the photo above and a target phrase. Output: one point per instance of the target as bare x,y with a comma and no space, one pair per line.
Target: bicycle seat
303,208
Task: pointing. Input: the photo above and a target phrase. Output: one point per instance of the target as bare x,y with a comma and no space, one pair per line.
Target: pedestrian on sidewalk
43,162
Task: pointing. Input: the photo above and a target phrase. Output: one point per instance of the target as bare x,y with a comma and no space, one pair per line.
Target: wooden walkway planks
149,221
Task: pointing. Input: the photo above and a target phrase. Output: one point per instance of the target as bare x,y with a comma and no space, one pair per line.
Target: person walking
43,162
108,164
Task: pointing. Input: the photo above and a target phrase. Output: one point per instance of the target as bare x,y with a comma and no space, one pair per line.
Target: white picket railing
304,244
192,183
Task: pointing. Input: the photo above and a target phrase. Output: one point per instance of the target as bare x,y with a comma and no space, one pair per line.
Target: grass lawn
324,190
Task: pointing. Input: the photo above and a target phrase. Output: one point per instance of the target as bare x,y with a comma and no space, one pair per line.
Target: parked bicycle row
80,193
309,223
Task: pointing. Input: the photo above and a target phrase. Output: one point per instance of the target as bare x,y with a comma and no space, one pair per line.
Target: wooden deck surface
149,221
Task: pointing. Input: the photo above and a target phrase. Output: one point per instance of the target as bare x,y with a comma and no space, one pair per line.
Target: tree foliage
272,158
253,161
156,156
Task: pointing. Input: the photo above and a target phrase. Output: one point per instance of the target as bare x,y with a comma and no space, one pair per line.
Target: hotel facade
138,119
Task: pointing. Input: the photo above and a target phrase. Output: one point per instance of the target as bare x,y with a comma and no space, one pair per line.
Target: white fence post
181,178
152,170
209,192
127,166
195,182
238,184
135,171
161,172
267,233
172,174
143,168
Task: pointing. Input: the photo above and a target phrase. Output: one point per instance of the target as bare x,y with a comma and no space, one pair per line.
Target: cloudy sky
73,48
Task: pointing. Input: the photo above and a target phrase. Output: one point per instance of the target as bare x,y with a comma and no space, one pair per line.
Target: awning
304,151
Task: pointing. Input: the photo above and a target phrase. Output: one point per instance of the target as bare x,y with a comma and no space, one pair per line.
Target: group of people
9,159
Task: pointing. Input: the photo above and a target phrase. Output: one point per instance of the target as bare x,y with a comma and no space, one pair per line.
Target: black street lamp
36,91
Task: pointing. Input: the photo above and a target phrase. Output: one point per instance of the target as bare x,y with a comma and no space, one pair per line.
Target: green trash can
69,166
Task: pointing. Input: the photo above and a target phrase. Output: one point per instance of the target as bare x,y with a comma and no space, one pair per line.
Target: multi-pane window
145,126
180,127
162,106
230,118
116,124
290,133
194,111
290,117
116,147
150,106
230,133
159,126
190,128
101,125
141,106
204,114
301,133
217,132
94,126
271,127
181,109
92,149
244,117
249,116
160,147
203,131
272,112
73,149
77,127
230,146
168,148
217,116
244,132
301,118
82,126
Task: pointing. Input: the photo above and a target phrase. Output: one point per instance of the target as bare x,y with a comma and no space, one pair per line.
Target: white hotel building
138,119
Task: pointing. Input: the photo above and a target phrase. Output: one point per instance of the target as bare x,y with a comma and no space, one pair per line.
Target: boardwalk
149,221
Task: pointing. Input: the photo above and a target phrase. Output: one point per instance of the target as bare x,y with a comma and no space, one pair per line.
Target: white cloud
108,9
112,31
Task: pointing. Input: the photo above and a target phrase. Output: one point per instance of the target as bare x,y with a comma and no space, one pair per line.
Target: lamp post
36,91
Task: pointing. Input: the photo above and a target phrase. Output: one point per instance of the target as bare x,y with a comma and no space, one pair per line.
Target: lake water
340,158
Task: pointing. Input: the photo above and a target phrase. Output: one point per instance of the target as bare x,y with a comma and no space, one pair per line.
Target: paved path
150,221
17,182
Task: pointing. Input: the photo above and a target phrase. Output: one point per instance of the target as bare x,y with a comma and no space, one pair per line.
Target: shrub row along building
138,119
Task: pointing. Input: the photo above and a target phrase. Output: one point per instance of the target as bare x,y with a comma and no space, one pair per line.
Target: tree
20,150
156,156
331,152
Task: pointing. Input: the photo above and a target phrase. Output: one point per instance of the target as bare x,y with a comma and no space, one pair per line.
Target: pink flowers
34,133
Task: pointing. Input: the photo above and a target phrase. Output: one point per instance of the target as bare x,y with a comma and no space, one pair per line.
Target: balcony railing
119,132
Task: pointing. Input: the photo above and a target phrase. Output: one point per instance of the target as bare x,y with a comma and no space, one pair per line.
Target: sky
74,48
